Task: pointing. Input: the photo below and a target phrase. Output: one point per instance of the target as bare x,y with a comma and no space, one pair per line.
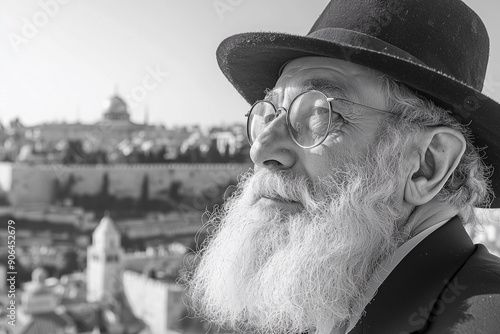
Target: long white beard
270,271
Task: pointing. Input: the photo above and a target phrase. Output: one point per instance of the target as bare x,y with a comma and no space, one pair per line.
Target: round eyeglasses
309,117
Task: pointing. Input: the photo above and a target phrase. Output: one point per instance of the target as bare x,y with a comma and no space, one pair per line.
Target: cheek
317,166
350,146
313,162
319,161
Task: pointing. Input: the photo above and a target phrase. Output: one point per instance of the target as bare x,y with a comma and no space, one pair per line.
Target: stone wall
35,184
157,303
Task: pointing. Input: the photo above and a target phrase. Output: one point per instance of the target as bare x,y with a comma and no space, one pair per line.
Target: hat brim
252,61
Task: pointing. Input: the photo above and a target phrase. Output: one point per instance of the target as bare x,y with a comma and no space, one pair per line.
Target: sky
61,59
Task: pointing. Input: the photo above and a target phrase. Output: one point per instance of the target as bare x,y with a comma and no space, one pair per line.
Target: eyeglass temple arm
330,99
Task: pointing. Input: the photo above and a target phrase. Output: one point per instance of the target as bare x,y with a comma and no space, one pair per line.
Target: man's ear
435,154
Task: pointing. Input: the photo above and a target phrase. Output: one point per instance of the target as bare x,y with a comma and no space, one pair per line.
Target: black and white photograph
249,166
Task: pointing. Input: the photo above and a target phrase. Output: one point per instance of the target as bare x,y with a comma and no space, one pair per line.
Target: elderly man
364,138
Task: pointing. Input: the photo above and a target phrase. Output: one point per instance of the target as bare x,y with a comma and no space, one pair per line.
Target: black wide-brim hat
439,48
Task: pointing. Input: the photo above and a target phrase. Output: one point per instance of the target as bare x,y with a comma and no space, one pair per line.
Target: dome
115,108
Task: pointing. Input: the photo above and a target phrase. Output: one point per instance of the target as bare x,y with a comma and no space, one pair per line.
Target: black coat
446,284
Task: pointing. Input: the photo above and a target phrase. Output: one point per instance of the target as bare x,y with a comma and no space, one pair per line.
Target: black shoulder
470,302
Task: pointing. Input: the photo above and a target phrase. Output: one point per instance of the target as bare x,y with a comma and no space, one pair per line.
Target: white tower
104,261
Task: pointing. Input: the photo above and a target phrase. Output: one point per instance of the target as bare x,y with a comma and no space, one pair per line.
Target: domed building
115,109
112,139
114,127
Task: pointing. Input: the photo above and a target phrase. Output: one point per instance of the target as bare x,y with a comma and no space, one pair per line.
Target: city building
134,284
114,126
104,261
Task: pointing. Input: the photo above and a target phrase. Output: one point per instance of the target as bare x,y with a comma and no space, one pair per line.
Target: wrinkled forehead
327,75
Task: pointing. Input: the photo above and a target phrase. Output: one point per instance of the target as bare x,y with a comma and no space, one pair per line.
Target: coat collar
405,300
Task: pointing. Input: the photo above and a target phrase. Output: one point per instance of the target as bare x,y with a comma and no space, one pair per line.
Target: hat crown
443,34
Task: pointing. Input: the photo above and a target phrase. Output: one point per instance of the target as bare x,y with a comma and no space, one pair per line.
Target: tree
69,262
105,185
144,198
174,192
159,156
103,197
62,190
73,153
4,199
194,154
56,190
213,154
242,154
226,155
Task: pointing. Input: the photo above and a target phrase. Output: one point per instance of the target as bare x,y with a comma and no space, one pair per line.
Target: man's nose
274,148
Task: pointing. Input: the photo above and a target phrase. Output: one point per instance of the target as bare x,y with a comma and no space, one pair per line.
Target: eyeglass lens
262,113
308,118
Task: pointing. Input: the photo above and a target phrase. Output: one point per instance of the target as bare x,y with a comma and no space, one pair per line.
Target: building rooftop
115,108
106,227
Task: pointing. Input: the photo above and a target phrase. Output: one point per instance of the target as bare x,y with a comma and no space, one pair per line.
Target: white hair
468,186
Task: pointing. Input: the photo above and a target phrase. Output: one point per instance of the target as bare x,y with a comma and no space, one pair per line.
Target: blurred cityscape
100,219
115,139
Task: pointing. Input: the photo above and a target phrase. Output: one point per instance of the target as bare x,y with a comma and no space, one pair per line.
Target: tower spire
77,114
146,114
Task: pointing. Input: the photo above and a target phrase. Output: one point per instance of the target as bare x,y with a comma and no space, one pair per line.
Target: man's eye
320,111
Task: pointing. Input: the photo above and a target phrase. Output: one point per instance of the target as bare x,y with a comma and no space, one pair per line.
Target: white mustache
283,186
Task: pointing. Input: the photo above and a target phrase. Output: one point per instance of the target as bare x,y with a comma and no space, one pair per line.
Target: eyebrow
323,85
